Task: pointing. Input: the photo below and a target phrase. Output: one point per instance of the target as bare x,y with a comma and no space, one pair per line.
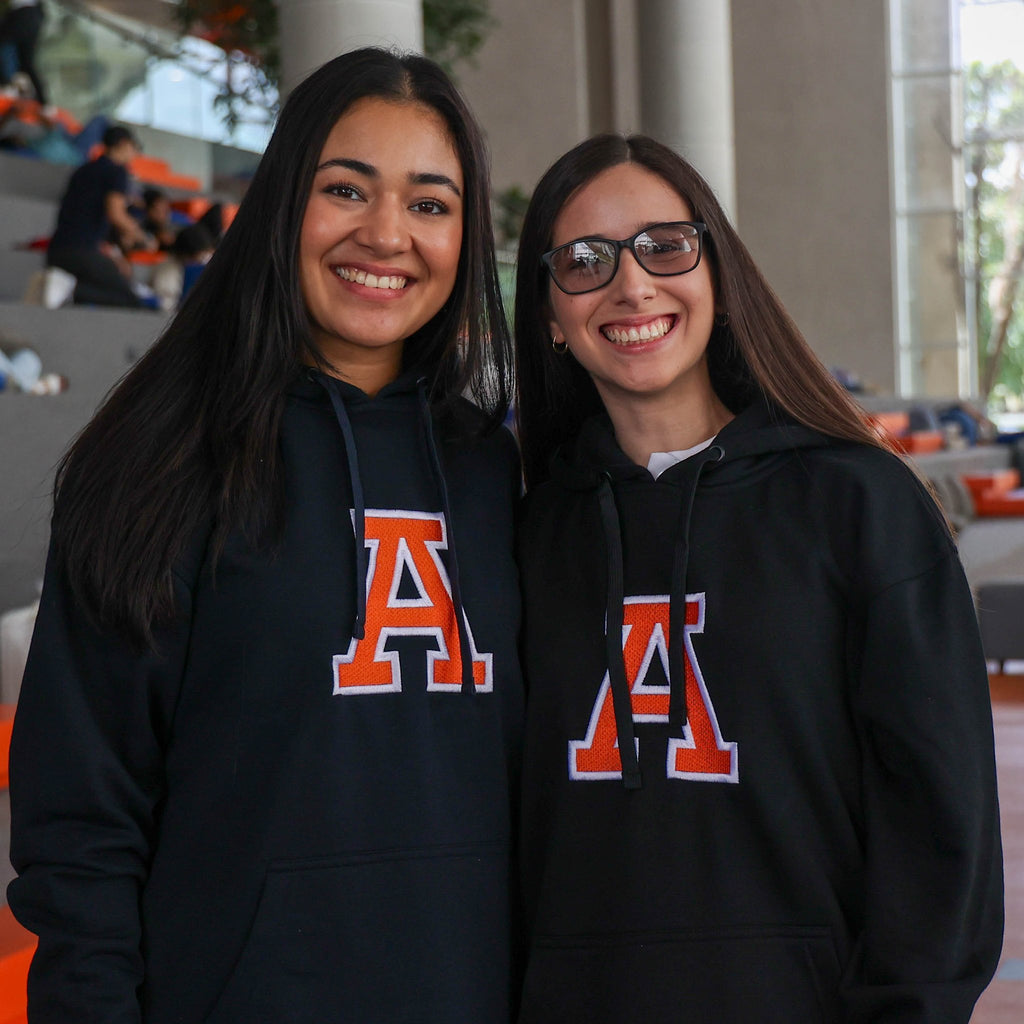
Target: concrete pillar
934,349
623,29
812,171
314,31
685,65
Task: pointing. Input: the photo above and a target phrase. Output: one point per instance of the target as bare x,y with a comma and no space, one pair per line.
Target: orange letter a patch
404,551
700,754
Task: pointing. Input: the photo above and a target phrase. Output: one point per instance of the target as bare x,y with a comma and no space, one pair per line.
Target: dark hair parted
759,350
188,440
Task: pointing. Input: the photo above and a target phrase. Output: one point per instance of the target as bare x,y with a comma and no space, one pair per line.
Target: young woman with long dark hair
758,769
269,726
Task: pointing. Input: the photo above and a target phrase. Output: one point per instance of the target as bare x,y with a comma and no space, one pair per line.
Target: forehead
403,136
617,202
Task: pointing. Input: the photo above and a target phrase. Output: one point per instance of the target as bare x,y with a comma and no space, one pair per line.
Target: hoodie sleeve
932,929
86,780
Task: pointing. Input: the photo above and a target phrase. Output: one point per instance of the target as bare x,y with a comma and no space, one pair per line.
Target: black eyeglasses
586,264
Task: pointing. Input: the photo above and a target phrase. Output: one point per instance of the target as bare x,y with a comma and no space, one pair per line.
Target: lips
385,282
634,334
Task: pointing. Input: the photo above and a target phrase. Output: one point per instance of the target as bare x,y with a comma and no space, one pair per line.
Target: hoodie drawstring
359,520
358,503
677,711
622,702
465,653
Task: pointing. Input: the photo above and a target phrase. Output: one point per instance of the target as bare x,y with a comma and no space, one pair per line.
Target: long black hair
188,440
759,350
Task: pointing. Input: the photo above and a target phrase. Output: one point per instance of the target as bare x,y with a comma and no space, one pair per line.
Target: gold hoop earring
559,347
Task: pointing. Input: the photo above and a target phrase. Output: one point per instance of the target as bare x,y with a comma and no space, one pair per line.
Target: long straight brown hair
760,349
187,443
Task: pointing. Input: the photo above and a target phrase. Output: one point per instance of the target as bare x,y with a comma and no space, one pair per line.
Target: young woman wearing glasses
759,775
266,748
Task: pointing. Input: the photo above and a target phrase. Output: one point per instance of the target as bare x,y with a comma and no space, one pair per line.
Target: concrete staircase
92,348
30,192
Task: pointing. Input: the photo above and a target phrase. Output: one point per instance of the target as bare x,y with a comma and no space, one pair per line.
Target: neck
370,373
647,425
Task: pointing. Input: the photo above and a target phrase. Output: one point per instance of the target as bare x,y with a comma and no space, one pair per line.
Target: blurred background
870,153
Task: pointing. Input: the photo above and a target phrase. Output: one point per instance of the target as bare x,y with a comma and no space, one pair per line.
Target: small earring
559,347
721,319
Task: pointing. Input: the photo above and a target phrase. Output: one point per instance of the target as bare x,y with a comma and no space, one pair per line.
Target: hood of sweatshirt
752,442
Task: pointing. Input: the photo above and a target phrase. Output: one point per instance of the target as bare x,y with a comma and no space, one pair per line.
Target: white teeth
393,283
631,335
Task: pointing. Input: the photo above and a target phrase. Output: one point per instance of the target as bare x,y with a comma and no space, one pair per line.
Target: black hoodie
271,819
805,826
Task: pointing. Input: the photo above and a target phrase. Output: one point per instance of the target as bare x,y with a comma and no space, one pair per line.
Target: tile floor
1003,1001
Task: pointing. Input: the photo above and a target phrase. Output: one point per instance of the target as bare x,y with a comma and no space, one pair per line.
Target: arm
87,777
127,227
932,929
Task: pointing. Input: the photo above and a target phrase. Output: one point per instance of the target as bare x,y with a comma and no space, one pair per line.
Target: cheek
443,256
572,314
323,225
307,273
453,245
699,293
310,250
309,240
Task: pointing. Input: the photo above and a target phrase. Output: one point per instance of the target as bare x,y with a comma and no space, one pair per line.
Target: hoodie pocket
406,937
735,976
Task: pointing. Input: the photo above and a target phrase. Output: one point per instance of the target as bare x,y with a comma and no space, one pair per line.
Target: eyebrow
369,171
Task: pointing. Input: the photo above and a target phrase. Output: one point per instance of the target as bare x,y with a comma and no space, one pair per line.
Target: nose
632,283
383,229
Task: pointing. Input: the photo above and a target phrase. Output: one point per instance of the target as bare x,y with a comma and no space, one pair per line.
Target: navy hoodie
270,818
759,780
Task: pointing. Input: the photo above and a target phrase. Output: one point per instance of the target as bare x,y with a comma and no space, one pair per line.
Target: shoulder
484,481
463,425
869,477
111,176
491,454
549,508
118,179
879,513
459,417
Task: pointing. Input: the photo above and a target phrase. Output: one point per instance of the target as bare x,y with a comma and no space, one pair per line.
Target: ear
557,334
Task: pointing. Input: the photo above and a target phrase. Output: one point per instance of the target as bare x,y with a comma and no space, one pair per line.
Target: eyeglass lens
589,263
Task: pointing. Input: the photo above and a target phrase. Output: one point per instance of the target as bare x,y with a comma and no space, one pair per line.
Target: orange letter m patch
407,594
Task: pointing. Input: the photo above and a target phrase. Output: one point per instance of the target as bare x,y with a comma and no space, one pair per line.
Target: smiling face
381,236
642,338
